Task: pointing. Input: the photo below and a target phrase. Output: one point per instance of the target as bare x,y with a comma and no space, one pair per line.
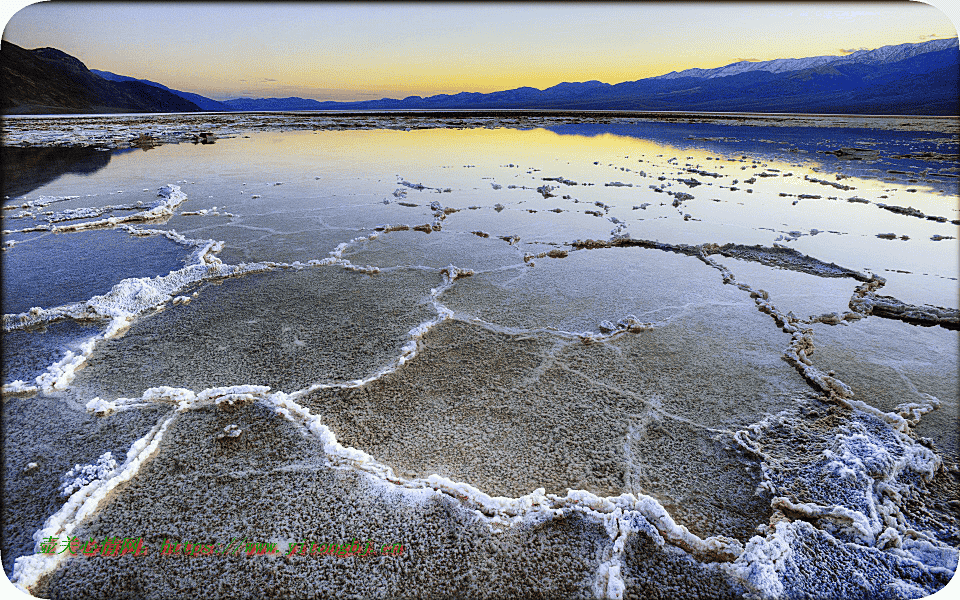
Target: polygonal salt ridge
498,512
784,258
833,318
41,227
801,343
205,249
387,228
58,375
620,527
225,398
18,387
27,570
911,412
555,253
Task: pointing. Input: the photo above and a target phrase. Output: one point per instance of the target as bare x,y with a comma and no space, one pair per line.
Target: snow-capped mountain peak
885,54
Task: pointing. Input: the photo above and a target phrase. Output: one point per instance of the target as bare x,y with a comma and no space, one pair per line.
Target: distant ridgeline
908,79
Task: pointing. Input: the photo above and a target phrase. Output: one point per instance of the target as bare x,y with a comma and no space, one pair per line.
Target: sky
362,51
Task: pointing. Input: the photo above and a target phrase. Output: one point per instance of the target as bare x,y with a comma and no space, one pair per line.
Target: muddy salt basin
552,357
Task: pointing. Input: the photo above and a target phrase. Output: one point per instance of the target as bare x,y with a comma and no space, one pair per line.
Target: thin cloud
749,60
850,50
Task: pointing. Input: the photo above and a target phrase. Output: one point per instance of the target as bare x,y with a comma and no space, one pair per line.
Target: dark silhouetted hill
48,81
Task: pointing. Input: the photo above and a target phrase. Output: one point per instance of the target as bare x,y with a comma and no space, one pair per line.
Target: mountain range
921,78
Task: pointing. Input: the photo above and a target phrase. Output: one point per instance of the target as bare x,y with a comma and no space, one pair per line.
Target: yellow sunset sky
330,51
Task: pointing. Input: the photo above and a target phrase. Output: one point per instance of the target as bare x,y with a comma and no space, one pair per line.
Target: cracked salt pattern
617,359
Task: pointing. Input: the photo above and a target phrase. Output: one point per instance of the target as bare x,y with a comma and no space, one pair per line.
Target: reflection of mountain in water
900,151
26,169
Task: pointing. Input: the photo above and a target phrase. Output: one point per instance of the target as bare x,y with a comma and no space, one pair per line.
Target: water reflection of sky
314,189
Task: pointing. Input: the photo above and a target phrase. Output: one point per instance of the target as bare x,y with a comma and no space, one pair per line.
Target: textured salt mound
888,363
880,500
270,482
815,561
54,270
54,435
284,329
27,354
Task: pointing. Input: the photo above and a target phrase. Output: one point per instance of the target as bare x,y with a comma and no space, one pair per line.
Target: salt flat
604,356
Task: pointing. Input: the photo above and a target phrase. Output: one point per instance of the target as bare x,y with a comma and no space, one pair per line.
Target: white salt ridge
27,570
40,202
134,296
499,511
170,198
620,527
58,375
71,214
128,299
802,343
229,397
336,256
41,227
